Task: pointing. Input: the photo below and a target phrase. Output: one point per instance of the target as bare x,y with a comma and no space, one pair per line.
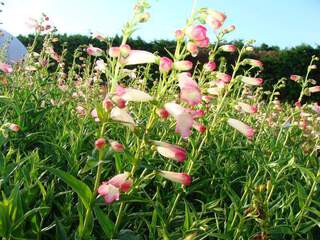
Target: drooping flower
183,65
6,68
171,151
184,120
122,181
252,81
109,192
139,57
190,91
100,143
247,107
165,64
228,48
121,115
131,94
182,178
116,146
241,127
94,51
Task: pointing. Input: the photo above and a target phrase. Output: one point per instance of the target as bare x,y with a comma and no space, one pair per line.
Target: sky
285,23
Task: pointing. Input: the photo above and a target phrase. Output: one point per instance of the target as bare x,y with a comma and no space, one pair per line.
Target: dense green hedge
278,62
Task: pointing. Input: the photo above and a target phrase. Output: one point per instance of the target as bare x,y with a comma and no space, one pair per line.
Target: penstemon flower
6,68
165,65
116,146
114,52
109,192
241,127
184,120
121,181
182,178
183,65
228,48
122,115
139,57
133,95
100,143
247,108
190,91
94,51
314,89
252,81
210,66
171,151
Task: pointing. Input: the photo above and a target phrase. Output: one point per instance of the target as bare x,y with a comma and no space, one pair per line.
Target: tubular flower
165,64
314,89
182,178
125,50
215,19
183,65
121,115
229,29
114,52
190,91
109,192
199,127
253,62
121,181
247,108
210,66
192,48
6,68
179,34
171,151
241,127
94,51
139,57
198,35
223,76
228,48
184,120
100,143
252,81
98,36
295,77
133,95
116,146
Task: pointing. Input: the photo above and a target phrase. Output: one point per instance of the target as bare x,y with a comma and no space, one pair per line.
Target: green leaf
106,224
128,235
78,186
60,232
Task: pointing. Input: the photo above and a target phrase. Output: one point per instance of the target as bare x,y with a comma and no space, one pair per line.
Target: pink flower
165,64
14,127
133,95
210,66
217,15
295,77
197,33
94,51
229,29
125,50
252,81
226,78
121,181
297,104
247,108
214,91
214,23
184,120
121,115
114,52
100,65
199,127
196,113
94,114
109,192
81,111
140,57
203,43
314,89
190,91
253,62
107,104
183,65
192,48
171,151
241,127
182,178
228,48
6,68
179,34
98,36
116,146
100,143
163,113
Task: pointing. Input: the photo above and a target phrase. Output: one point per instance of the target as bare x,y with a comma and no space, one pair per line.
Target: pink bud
297,104
228,48
229,29
114,52
171,151
197,33
94,51
189,90
121,181
210,66
253,62
252,81
100,143
183,65
116,146
182,178
241,127
165,64
162,113
109,192
199,127
125,50
179,34
295,77
226,78
14,127
217,15
247,108
192,48
107,104
98,36
6,68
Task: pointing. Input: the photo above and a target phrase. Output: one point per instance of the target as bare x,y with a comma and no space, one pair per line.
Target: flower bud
210,66
125,50
116,146
100,143
14,127
114,52
228,48
179,34
165,64
163,113
183,65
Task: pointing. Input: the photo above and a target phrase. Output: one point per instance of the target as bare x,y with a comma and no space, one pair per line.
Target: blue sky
284,23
